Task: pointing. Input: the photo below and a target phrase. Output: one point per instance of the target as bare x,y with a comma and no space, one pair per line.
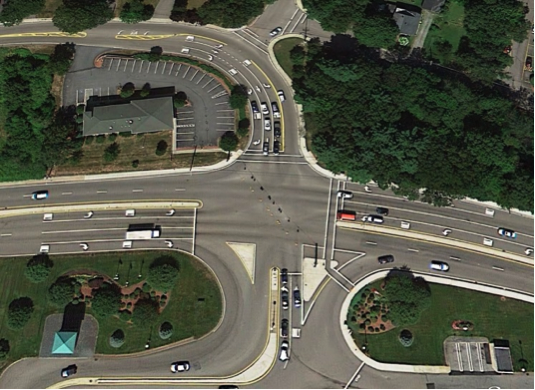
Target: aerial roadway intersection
264,225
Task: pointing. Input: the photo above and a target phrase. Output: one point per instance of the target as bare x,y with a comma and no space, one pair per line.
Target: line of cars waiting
268,125
284,354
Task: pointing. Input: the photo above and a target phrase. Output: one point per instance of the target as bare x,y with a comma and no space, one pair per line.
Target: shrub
382,327
238,97
112,152
228,141
4,348
19,312
405,338
117,338
38,268
179,100
163,273
61,292
242,132
96,282
106,301
135,163
79,119
125,315
166,330
112,137
370,329
145,310
80,108
89,140
146,287
376,329
145,91
407,298
244,123
161,148
101,139
129,305
127,90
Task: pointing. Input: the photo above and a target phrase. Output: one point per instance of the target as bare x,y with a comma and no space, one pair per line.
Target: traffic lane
471,266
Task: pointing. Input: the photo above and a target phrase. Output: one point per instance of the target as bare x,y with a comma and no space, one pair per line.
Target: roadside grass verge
282,53
492,317
49,8
447,26
188,315
195,3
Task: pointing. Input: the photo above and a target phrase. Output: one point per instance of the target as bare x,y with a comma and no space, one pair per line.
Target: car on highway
385,259
265,109
181,366
246,63
276,31
254,106
284,328
507,233
439,265
277,129
297,297
284,275
284,354
40,195
233,72
285,298
276,147
282,97
265,147
373,218
69,371
344,194
267,124
382,211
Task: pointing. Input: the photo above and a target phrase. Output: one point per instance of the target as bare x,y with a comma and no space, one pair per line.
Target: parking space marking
111,62
187,70
204,74
183,119
225,124
164,66
195,74
211,79
225,117
156,69
133,66
148,67
224,110
218,104
219,94
188,125
170,70
141,66
214,88
125,65
118,64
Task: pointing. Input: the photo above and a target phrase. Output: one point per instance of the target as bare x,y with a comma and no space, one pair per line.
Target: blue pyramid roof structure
64,343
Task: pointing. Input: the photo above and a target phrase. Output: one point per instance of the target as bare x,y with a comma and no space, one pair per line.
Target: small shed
64,343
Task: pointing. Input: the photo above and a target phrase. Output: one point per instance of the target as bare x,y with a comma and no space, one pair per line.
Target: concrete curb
299,4
437,240
346,332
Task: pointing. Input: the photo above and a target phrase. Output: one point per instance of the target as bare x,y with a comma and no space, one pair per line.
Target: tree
61,59
145,311
19,312
161,148
127,90
377,30
145,91
135,11
112,152
4,348
166,330
297,55
58,139
62,291
228,141
14,11
179,99
79,15
230,13
163,274
117,338
407,297
243,127
38,268
106,300
238,97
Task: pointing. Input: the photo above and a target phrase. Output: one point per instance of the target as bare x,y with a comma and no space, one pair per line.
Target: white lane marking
413,250
251,43
327,218
137,190
66,193
102,191
6,235
180,189
354,376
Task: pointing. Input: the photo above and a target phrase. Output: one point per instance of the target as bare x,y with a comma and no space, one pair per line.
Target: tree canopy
135,11
407,297
145,310
230,13
238,97
106,300
79,15
416,127
19,312
163,274
62,291
229,141
38,268
14,11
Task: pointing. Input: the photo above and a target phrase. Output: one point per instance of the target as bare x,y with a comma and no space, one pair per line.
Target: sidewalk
376,275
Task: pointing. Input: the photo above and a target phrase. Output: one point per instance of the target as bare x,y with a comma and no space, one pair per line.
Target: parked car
344,194
382,211
285,298
439,265
282,97
284,353
276,31
284,328
284,276
507,233
40,195
267,124
181,366
265,109
254,106
373,219
69,370
277,129
265,148
297,297
385,259
276,147
275,109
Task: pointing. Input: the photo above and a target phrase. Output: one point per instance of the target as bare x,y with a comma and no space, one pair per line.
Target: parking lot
200,123
468,355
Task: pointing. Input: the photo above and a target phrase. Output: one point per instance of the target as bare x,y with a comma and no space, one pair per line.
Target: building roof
433,5
64,343
137,116
407,21
504,362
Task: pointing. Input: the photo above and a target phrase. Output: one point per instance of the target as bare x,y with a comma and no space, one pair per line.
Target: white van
405,225
44,248
190,38
488,241
48,217
185,50
127,244
130,213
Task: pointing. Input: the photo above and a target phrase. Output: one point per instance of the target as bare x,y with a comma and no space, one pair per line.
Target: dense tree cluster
38,268
106,300
19,312
145,310
14,11
230,13
135,11
62,291
370,21
163,274
78,15
181,13
415,128
407,297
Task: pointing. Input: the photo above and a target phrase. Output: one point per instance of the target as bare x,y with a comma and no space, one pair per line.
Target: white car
190,38
44,249
249,91
282,97
344,194
267,124
210,58
439,265
446,232
180,367
233,72
265,109
246,63
185,51
284,354
40,195
276,31
373,219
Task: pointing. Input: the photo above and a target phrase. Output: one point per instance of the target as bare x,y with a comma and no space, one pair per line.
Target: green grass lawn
449,27
282,53
492,318
186,309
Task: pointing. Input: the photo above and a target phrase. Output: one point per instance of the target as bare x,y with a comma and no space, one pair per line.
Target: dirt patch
57,89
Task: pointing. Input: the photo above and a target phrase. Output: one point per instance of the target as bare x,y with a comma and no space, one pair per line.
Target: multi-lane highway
277,202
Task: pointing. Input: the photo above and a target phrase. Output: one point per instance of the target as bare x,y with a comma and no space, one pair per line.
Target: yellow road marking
45,34
143,37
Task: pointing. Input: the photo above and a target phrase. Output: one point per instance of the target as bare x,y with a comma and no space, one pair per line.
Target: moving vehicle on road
142,231
385,259
265,147
181,366
285,298
382,211
344,194
276,31
282,97
507,233
267,124
246,63
284,328
297,297
276,147
373,218
346,215
69,370
275,109
265,109
439,265
284,355
40,195
277,129
284,275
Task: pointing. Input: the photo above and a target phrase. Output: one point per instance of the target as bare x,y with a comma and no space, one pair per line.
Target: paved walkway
377,275
163,9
